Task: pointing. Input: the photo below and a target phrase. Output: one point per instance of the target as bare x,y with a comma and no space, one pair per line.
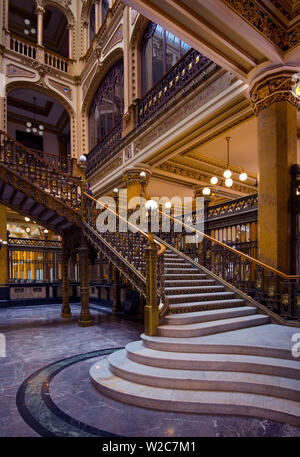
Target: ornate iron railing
231,207
31,166
104,150
190,66
126,247
279,292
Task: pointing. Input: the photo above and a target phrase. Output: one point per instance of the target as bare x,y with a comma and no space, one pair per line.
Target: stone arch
135,56
96,80
45,89
63,7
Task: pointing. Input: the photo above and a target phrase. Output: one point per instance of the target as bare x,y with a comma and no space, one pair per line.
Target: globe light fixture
227,174
168,205
27,219
228,182
82,159
243,176
296,86
34,126
151,205
116,190
28,229
142,174
206,191
214,180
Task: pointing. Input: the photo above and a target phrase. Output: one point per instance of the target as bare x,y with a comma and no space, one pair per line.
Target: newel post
152,305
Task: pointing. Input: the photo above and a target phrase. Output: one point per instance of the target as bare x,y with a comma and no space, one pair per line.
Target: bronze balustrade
274,289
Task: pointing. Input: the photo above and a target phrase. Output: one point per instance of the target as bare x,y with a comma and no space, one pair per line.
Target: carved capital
132,176
273,89
40,10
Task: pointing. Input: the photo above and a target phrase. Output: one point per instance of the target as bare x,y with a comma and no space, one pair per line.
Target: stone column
275,106
85,318
97,16
66,310
116,291
85,37
4,289
40,16
71,44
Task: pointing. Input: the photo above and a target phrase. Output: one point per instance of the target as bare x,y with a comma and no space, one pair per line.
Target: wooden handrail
241,254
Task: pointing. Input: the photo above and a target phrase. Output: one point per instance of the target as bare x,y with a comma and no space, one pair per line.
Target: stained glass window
108,105
161,50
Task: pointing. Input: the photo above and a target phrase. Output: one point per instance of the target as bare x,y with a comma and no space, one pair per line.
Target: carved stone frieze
273,89
254,13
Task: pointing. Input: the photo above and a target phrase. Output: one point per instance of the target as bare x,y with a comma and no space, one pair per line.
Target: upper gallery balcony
41,34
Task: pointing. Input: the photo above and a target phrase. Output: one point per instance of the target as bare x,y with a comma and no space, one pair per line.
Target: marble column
275,106
66,310
85,318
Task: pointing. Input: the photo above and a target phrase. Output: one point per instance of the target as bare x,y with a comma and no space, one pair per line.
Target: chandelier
29,27
34,126
228,173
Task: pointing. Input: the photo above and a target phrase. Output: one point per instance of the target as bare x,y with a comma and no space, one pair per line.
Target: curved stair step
209,328
138,352
193,401
198,345
228,381
206,316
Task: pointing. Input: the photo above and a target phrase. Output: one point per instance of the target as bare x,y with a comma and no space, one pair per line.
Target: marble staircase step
193,401
189,298
138,352
194,289
205,305
209,328
205,316
120,365
188,282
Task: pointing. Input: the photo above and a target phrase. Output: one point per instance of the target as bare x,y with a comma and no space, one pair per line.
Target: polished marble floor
45,388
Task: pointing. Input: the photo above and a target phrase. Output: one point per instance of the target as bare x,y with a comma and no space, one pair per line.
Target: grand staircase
213,354
221,346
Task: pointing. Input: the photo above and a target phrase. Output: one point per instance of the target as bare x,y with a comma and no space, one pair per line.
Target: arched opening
23,25
22,20
160,51
56,34
108,105
41,123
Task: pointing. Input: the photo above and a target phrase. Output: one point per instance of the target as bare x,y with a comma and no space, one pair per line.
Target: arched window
108,105
161,50
92,23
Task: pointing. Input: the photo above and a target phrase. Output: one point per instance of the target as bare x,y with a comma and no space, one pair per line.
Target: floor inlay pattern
42,414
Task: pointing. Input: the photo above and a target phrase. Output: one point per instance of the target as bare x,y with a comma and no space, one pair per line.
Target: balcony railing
58,62
190,66
22,46
237,206
104,150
